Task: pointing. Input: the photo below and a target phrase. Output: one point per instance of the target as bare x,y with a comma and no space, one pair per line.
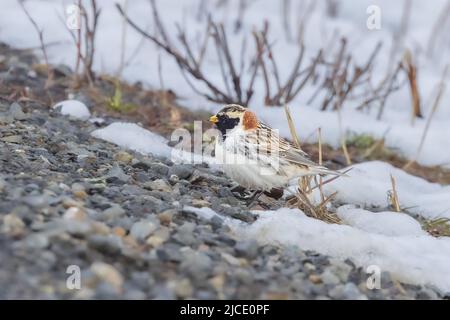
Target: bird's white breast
247,169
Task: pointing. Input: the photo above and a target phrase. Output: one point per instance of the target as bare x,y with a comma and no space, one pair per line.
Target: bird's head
234,116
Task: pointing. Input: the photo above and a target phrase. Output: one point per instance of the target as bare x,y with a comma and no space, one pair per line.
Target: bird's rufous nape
249,120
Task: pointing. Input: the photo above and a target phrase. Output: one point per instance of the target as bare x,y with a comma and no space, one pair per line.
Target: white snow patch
133,137
73,108
412,258
388,222
392,241
368,184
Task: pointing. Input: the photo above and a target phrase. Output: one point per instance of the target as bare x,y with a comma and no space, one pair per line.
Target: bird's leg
253,198
235,187
275,193
240,192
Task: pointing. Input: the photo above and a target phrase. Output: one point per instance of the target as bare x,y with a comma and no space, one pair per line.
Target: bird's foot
254,198
241,193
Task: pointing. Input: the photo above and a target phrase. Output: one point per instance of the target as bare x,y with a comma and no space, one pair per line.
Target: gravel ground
69,201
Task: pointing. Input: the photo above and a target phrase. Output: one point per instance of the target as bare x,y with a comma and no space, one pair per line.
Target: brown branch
40,33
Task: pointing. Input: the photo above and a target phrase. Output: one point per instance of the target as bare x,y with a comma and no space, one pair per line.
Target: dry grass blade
292,126
319,211
331,179
439,227
320,183
393,196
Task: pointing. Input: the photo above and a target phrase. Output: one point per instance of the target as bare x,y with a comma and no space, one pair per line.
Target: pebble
230,259
351,292
113,212
197,264
329,278
247,248
16,112
12,224
158,185
170,252
314,278
427,294
77,228
185,234
182,171
183,288
107,273
12,139
37,241
142,229
166,216
159,168
159,237
79,191
123,157
116,175
2,184
109,244
199,203
119,231
75,213
218,282
38,201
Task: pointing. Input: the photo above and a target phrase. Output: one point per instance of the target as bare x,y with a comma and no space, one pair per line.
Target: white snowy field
424,35
392,241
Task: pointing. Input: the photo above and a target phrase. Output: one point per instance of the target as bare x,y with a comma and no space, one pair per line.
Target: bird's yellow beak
214,119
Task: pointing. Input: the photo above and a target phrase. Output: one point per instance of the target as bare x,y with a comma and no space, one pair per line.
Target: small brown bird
255,156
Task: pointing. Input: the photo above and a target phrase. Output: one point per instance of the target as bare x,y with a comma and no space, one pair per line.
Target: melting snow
369,182
131,136
395,244
73,108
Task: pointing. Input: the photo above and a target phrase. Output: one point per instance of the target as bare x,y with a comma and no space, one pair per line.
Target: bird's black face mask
225,123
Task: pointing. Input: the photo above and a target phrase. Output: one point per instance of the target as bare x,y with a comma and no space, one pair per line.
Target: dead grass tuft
439,227
302,199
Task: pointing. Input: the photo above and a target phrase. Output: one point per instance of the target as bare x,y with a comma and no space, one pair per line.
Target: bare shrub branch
40,33
440,92
191,65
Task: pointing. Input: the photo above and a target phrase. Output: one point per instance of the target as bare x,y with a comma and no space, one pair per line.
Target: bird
254,155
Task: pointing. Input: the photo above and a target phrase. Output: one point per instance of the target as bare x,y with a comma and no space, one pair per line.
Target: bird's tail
324,171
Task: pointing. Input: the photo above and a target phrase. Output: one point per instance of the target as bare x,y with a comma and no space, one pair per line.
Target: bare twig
40,33
191,65
90,29
286,10
400,33
123,43
441,89
438,28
